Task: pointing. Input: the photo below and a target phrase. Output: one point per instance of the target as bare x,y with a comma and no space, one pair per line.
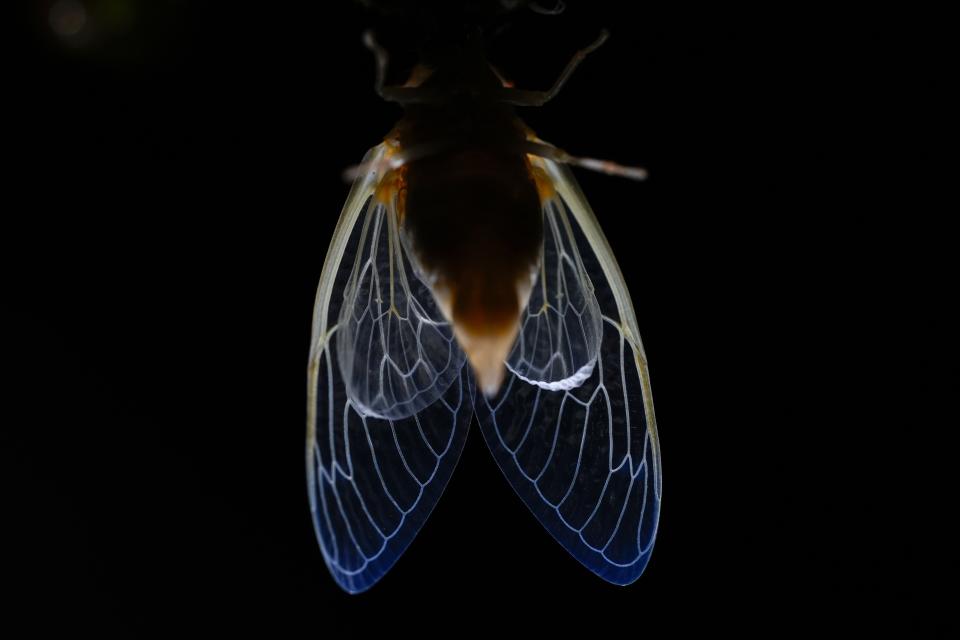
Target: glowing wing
586,459
396,351
373,479
559,338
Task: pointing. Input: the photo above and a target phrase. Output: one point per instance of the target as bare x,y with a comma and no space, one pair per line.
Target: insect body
468,276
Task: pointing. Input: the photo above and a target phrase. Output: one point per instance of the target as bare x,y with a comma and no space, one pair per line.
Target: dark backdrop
178,176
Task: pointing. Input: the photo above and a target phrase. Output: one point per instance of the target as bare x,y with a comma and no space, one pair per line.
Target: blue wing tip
622,576
354,584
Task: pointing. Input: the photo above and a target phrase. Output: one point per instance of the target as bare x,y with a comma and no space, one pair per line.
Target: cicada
467,276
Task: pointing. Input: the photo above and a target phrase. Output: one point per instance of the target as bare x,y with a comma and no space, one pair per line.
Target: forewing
372,481
586,459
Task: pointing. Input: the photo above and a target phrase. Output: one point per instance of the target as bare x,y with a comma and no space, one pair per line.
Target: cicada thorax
472,220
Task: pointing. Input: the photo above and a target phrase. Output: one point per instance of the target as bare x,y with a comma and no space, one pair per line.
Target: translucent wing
372,481
396,351
559,337
586,459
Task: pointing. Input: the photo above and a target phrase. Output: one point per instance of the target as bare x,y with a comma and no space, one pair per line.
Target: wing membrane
396,351
559,338
585,459
372,481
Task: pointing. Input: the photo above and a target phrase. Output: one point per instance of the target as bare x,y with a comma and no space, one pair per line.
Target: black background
180,180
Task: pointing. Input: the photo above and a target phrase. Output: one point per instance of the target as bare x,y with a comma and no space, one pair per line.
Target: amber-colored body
470,205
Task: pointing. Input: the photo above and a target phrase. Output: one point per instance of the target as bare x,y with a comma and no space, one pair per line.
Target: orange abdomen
474,221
